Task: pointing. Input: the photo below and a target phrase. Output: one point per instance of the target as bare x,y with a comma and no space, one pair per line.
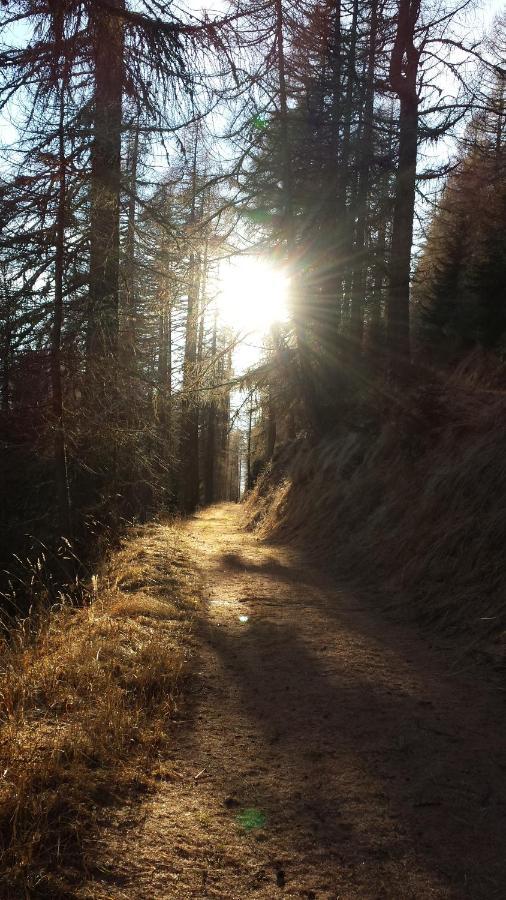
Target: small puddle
243,619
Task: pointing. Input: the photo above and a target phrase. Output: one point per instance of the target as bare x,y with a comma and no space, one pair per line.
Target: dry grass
86,696
415,514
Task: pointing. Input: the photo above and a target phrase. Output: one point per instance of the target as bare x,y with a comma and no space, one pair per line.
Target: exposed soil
328,753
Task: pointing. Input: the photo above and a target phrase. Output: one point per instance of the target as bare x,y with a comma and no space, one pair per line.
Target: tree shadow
270,567
369,770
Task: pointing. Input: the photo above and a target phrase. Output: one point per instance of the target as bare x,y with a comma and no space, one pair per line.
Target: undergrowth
86,696
414,513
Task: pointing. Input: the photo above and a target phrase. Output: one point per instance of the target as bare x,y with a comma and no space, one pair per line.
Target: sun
253,295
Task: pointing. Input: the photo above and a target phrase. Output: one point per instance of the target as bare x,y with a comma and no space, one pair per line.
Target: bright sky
253,296
490,9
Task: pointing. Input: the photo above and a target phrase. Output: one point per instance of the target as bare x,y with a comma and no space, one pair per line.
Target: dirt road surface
325,752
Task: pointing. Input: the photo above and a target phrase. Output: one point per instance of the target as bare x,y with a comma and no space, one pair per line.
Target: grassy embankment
413,511
86,698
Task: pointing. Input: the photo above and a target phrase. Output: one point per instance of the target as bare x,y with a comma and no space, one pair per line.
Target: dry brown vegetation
415,511
86,695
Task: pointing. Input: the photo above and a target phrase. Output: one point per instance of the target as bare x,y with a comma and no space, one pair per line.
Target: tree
403,76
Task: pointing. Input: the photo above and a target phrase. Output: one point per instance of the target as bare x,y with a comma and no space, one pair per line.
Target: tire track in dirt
328,753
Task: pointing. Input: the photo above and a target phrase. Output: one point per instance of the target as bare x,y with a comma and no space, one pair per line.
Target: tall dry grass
86,696
416,512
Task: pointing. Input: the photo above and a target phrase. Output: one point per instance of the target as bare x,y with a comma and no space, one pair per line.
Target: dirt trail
328,753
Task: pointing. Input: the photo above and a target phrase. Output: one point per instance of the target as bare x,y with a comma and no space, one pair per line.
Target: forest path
328,753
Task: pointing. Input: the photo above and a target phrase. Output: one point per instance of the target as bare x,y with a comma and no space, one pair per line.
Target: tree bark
210,459
271,425
189,438
130,298
398,337
308,393
403,79
248,448
7,330
59,441
361,261
108,42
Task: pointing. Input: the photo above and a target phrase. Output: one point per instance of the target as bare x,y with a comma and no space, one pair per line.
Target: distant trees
461,275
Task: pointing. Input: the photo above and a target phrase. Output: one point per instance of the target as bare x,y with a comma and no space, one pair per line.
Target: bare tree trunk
108,43
297,295
189,438
130,298
332,286
336,54
248,448
6,343
374,342
345,199
361,261
271,425
403,79
398,339
224,431
163,351
210,458
348,109
6,362
168,380
500,121
60,449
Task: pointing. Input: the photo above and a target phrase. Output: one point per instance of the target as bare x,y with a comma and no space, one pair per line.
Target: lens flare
253,295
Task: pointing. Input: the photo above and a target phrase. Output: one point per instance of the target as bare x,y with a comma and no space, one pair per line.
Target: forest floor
325,751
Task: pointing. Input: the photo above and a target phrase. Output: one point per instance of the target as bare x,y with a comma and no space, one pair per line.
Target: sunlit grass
85,696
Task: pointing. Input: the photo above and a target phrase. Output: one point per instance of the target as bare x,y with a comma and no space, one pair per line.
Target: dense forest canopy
163,168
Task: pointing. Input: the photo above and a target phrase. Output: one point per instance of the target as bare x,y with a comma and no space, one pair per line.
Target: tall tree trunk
332,283
224,430
60,449
271,425
169,367
500,121
374,337
130,298
297,294
6,366
403,79
336,75
6,336
210,459
163,352
347,112
248,447
108,44
361,263
189,438
345,198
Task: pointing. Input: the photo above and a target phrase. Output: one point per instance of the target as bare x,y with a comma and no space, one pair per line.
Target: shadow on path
369,753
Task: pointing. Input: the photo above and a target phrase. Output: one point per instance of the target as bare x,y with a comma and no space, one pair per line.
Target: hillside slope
416,511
